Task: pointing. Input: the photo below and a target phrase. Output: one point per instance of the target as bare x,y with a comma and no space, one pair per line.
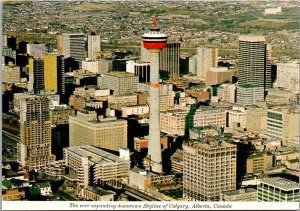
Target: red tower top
154,39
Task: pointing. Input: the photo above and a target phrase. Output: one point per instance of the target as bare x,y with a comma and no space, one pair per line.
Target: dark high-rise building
23,47
254,69
183,66
12,43
36,75
254,62
169,61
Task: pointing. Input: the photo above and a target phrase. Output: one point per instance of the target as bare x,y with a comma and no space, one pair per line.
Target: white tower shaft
154,146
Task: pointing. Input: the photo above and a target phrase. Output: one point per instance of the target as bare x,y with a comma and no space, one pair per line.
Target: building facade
256,119
206,58
87,128
120,83
54,72
169,61
218,75
209,168
94,45
248,94
205,116
72,45
283,124
11,73
288,77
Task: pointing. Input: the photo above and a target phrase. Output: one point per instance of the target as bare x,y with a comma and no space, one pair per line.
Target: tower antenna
154,21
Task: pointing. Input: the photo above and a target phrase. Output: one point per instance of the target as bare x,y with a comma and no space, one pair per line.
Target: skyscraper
254,66
36,75
169,61
254,69
72,45
93,41
34,149
206,58
209,168
54,73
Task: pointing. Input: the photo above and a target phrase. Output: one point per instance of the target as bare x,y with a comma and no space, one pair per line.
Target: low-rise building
218,75
117,102
96,166
139,110
241,195
205,116
173,122
277,189
91,193
258,162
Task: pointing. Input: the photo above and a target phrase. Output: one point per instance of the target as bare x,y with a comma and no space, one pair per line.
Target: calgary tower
154,41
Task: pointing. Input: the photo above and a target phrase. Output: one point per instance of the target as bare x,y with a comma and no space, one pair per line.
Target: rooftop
240,191
252,38
120,74
95,155
281,183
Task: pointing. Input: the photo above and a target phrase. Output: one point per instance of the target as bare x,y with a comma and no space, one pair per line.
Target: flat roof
281,183
120,74
94,154
252,38
240,191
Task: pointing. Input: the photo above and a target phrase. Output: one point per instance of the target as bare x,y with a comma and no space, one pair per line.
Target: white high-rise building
72,45
36,50
283,124
93,45
226,93
206,58
288,77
